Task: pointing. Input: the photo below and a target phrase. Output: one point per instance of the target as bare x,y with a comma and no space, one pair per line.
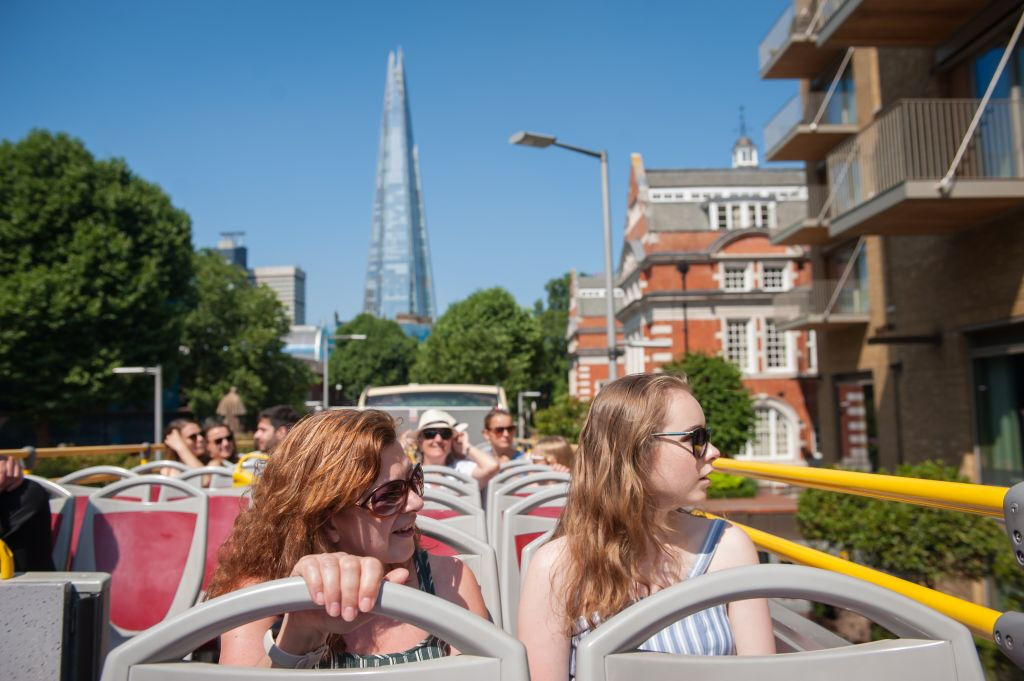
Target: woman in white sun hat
441,442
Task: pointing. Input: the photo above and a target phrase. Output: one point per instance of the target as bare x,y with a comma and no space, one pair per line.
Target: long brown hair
610,523
324,464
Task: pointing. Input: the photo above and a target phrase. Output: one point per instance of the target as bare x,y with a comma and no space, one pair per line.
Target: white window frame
747,276
786,282
750,365
787,349
811,345
775,414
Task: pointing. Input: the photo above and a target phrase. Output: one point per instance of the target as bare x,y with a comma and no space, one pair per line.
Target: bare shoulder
549,555
735,549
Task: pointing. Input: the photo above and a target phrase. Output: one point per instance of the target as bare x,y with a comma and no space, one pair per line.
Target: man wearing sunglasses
500,435
442,443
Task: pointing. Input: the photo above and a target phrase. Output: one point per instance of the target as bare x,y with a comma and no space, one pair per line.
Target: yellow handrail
6,561
241,477
977,618
91,450
954,496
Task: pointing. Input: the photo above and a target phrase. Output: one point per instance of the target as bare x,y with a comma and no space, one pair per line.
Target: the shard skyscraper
399,280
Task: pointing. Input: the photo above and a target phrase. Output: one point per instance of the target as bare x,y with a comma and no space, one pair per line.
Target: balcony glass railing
840,109
790,23
917,140
814,300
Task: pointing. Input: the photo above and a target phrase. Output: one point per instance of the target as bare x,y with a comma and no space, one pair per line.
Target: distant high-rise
399,281
232,249
289,285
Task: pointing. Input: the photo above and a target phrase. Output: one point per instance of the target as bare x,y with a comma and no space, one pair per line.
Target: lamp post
532,139
683,269
158,387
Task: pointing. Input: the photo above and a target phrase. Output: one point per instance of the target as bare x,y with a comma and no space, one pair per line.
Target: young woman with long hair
644,456
336,505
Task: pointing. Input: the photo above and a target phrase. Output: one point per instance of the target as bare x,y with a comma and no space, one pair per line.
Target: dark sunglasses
389,499
698,437
431,433
229,438
193,436
503,429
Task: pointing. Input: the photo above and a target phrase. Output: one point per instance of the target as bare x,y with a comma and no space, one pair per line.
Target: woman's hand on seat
345,585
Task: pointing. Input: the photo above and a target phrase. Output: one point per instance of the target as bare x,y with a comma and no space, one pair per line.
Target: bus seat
225,505
471,485
154,552
515,490
440,538
62,520
221,477
454,511
523,523
155,466
932,646
456,488
82,493
505,475
487,651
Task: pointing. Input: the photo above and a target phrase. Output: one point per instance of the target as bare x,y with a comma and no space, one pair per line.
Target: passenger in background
185,443
553,450
500,432
441,444
24,518
336,505
274,423
644,457
220,444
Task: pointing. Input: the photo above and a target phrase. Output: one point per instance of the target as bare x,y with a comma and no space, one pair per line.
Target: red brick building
698,272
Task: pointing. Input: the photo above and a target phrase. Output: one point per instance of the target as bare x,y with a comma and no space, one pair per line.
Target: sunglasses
508,430
193,437
699,438
389,499
229,438
431,433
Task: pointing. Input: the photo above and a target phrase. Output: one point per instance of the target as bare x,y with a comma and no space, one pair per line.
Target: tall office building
399,281
289,284
232,249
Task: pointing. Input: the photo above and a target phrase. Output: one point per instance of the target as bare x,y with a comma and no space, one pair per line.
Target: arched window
773,435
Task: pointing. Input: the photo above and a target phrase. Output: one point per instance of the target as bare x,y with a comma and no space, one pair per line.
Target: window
776,349
771,435
736,277
762,215
812,352
721,217
737,343
773,277
735,213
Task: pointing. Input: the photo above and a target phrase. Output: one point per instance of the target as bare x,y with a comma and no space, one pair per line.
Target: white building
289,284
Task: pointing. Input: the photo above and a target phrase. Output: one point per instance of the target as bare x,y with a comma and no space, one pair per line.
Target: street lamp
158,387
519,404
533,139
322,337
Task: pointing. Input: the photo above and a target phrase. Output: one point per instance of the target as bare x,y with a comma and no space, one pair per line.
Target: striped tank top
429,648
703,633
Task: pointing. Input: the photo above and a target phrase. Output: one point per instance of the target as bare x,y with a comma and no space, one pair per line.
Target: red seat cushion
435,547
521,541
223,510
145,553
439,513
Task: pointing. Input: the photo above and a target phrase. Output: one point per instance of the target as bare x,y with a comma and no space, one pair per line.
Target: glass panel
736,342
998,390
774,347
432,399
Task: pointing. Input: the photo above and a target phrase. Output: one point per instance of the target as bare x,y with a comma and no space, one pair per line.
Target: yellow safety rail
6,561
977,618
92,450
955,496
241,477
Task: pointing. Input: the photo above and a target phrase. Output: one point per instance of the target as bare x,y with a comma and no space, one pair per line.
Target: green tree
384,358
553,377
564,417
95,269
718,386
486,339
232,337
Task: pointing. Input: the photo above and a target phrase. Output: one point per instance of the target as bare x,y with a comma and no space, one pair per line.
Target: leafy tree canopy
718,386
384,358
232,337
486,339
564,417
553,374
95,269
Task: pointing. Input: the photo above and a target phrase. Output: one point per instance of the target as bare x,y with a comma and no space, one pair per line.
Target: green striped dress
429,648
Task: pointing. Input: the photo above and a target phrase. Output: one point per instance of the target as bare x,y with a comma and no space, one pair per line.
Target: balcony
886,179
804,309
894,23
791,135
790,50
808,230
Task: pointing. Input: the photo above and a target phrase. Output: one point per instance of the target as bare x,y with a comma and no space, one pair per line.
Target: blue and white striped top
703,633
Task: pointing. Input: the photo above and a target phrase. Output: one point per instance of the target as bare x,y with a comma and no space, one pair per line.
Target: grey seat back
455,511
71,480
474,552
507,473
933,646
487,651
62,506
155,466
517,525
515,490
218,478
458,488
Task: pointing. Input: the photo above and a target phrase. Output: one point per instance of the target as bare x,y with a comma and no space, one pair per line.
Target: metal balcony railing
814,300
917,140
790,23
839,110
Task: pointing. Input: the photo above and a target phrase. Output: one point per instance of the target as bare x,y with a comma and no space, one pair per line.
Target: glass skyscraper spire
399,281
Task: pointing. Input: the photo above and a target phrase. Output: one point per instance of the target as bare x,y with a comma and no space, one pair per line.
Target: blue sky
263,117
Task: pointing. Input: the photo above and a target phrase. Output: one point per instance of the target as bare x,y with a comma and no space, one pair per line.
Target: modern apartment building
698,274
289,285
915,225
